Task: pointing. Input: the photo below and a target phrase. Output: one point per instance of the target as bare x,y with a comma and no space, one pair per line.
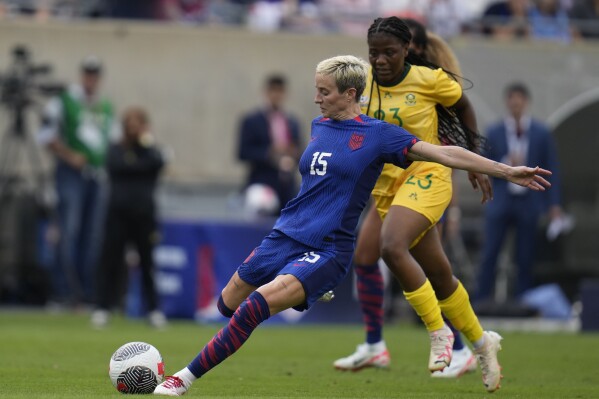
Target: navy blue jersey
339,169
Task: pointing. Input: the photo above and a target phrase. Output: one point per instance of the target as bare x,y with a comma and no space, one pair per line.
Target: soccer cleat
487,359
100,318
157,319
366,355
462,361
441,349
172,386
327,296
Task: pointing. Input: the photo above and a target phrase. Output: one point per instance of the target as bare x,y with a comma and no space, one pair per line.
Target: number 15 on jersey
319,163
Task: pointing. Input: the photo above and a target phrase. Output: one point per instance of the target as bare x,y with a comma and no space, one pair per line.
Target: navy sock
370,295
458,343
253,311
223,309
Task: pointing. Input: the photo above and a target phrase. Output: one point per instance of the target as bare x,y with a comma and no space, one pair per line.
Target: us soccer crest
355,141
410,100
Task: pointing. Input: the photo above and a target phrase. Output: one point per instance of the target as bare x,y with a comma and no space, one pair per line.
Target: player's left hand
531,178
479,180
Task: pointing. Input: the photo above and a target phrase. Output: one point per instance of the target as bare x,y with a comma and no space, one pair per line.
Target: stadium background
197,81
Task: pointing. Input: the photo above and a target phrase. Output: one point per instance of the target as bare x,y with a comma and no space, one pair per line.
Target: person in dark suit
517,139
269,141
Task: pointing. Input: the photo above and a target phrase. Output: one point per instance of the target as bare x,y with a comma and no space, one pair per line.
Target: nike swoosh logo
358,361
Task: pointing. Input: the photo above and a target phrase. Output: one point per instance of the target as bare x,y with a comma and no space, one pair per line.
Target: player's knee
223,309
366,257
394,251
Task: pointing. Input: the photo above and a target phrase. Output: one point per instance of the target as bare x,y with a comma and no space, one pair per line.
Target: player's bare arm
460,158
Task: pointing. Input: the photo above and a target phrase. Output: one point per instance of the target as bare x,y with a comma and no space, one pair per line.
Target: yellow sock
458,310
425,303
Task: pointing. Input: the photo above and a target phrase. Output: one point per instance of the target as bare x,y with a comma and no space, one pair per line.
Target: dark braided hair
451,130
418,31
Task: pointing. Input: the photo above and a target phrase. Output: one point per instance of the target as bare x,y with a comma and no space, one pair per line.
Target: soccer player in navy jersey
310,247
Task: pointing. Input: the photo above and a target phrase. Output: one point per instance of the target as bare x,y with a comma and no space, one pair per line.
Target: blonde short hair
348,72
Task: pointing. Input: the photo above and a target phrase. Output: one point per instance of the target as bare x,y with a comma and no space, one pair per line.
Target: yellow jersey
410,104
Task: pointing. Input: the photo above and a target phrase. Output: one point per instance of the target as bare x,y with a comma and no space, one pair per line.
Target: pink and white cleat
441,348
172,386
487,359
366,355
462,361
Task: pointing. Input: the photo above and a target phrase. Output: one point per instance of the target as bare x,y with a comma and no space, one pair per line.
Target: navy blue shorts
318,270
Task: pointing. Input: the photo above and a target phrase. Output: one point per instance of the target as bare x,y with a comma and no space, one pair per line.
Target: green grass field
60,356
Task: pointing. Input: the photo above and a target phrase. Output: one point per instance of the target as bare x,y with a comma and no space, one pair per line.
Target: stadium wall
196,82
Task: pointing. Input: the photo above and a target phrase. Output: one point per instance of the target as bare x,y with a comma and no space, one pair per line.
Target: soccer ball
136,368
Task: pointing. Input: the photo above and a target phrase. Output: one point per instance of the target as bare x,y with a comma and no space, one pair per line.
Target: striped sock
370,295
248,316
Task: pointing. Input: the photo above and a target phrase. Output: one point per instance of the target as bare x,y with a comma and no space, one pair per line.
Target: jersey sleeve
447,91
396,143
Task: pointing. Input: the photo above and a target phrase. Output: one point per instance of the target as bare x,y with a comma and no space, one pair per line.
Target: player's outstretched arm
460,158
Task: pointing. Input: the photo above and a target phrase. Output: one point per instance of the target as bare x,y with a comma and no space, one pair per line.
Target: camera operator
76,127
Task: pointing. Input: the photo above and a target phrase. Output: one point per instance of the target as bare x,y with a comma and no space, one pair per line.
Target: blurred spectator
76,127
445,17
584,16
267,16
190,11
45,9
518,139
506,18
549,21
306,16
133,9
229,12
133,167
272,15
351,17
78,8
269,141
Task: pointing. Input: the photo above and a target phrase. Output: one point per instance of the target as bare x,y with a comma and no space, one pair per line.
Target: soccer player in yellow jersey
433,49
410,202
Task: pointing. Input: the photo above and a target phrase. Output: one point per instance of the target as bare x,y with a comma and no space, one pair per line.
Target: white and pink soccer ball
136,368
